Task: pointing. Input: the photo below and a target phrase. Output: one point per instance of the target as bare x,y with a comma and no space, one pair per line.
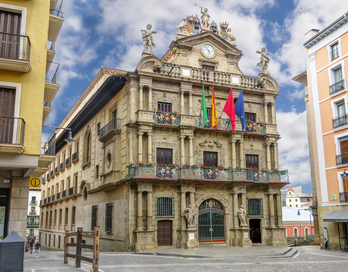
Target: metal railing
56,170
61,166
223,124
14,46
12,130
58,196
53,198
52,74
75,156
198,173
33,202
64,193
67,162
342,159
72,191
32,212
114,124
253,127
32,224
343,197
50,147
340,121
167,118
57,11
336,87
52,173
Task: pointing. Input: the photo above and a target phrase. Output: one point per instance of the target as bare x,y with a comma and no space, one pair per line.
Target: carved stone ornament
210,145
173,146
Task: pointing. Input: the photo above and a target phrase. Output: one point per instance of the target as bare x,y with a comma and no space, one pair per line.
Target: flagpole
200,115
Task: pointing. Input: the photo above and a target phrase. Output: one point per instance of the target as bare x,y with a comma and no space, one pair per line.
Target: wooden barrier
79,245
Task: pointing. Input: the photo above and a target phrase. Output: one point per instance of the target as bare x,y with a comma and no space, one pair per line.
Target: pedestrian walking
37,247
31,243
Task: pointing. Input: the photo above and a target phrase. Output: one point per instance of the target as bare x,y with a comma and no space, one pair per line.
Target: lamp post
70,139
310,217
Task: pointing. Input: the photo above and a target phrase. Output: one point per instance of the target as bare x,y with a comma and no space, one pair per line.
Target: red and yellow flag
213,111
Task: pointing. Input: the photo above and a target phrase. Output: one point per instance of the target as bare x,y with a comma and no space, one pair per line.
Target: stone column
273,113
182,102
140,146
276,162
192,200
182,149
190,103
150,99
183,207
271,210
141,96
265,111
191,149
149,147
241,152
149,210
268,155
130,137
244,200
235,210
234,159
140,211
279,210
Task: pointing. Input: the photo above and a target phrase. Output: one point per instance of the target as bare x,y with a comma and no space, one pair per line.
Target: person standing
37,247
31,243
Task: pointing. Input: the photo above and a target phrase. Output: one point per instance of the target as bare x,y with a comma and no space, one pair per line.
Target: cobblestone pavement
259,258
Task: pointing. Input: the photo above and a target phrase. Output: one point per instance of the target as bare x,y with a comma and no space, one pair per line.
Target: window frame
259,209
331,72
94,217
108,217
165,214
339,50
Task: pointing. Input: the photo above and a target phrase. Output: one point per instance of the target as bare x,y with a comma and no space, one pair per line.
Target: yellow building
135,168
326,102
27,87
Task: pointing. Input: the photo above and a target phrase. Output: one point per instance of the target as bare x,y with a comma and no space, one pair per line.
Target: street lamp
310,217
344,175
70,139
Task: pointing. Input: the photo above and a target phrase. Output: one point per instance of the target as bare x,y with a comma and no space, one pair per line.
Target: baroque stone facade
135,167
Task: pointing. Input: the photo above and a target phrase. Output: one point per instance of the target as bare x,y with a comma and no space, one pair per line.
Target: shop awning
336,216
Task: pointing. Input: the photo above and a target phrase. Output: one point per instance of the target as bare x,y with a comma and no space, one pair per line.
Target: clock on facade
208,50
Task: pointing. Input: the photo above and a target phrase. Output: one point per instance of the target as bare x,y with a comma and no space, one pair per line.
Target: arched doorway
211,222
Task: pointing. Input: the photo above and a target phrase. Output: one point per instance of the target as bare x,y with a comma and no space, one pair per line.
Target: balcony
51,81
342,159
223,124
48,199
12,135
52,173
32,212
14,52
53,198
55,22
33,202
336,87
167,118
114,126
32,224
64,193
253,127
208,174
75,156
61,167
67,162
47,176
72,191
58,196
344,197
56,170
46,111
340,121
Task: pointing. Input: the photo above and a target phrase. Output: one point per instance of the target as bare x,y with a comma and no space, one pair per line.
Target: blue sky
107,33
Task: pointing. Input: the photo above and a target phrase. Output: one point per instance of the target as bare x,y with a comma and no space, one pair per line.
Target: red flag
213,111
230,110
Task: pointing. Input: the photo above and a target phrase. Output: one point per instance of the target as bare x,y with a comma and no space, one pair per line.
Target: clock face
208,50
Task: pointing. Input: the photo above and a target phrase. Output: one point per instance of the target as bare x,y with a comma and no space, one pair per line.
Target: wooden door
344,151
9,34
164,233
7,99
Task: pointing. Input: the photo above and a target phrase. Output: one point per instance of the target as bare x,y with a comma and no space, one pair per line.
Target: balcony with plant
167,118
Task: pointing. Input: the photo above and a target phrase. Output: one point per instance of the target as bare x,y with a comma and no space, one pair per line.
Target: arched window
306,232
295,232
87,147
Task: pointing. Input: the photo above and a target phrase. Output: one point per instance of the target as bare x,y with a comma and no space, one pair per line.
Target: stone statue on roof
147,38
264,60
204,18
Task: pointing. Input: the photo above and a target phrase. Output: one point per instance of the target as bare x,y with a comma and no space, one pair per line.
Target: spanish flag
213,111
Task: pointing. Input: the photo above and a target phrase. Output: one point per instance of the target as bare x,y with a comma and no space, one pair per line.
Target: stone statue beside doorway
242,216
190,216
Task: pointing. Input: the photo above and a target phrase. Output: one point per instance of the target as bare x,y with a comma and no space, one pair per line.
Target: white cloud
293,146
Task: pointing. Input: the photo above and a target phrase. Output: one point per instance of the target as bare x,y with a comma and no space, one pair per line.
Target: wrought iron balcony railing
67,162
57,11
33,202
64,193
342,159
340,121
61,166
53,198
198,173
48,199
58,196
344,197
14,46
48,176
11,130
72,191
114,124
223,124
32,224
52,173
254,127
56,170
336,87
167,118
75,156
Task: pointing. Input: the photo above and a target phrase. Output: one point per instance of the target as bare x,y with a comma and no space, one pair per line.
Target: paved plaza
218,258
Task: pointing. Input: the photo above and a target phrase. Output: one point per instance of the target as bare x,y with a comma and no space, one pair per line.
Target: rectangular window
10,42
66,216
60,216
252,161
165,107
337,74
336,80
94,216
334,51
210,158
250,116
108,217
97,171
73,215
164,155
165,207
344,151
209,68
7,108
255,207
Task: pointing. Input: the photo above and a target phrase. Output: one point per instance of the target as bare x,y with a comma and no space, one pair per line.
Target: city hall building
146,169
